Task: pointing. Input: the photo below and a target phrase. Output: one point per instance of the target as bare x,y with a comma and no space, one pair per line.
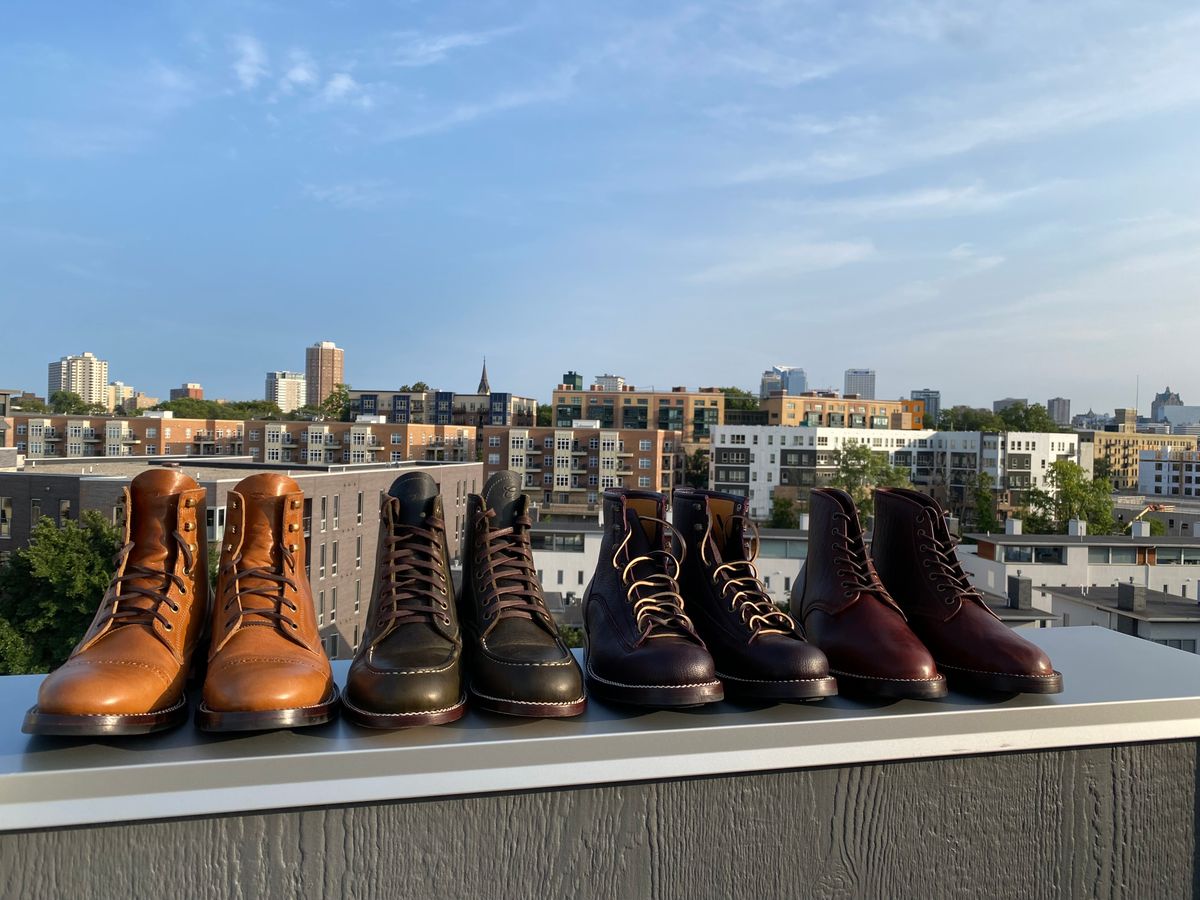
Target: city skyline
949,188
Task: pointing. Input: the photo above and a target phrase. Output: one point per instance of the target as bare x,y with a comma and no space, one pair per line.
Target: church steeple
484,387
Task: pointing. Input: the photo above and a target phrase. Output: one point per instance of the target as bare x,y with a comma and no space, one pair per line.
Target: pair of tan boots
265,664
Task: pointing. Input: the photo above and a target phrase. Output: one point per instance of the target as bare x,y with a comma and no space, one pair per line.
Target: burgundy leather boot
848,613
913,551
759,650
642,648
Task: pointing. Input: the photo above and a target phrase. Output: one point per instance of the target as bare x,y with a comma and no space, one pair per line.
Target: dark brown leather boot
849,614
642,648
408,670
759,651
913,551
127,675
517,662
266,665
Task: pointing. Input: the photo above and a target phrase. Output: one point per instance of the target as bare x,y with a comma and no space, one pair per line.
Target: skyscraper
861,382
323,369
1167,398
792,379
933,401
286,390
1060,410
84,375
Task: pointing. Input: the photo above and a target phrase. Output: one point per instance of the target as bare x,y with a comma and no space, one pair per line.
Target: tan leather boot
127,675
266,666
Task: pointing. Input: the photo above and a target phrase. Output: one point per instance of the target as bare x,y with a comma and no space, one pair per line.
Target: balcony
1081,794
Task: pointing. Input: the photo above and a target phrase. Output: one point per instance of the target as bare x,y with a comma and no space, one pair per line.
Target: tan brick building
566,469
49,436
830,410
324,368
1121,450
691,413
375,441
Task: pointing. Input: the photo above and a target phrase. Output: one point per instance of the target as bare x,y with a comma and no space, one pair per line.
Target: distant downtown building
1161,401
860,382
1059,409
287,390
826,408
692,413
998,406
84,375
609,382
188,391
792,379
324,369
932,400
1169,473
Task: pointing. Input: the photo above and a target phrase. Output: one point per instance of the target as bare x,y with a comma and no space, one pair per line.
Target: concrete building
1120,451
694,413
565,470
287,390
324,369
608,383
1161,402
1179,415
369,439
84,375
762,462
188,391
827,409
1169,473
999,406
117,394
792,379
860,382
932,400
341,518
1059,409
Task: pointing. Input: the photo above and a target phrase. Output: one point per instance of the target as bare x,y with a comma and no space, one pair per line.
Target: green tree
1069,494
420,387
49,591
695,469
337,404
545,415
1103,468
984,504
69,403
968,418
736,398
29,405
571,636
860,471
1157,528
783,514
191,408
1022,417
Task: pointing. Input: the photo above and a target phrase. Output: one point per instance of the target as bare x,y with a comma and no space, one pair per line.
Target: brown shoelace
414,582
749,598
853,565
275,590
504,567
661,613
947,570
124,591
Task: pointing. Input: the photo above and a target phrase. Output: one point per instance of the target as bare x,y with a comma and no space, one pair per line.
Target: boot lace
413,575
504,567
749,598
659,614
852,564
275,590
125,590
943,561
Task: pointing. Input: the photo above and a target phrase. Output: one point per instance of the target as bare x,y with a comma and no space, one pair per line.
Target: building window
321,567
64,512
333,561
357,597
6,509
321,606
358,552
324,510
337,509
333,604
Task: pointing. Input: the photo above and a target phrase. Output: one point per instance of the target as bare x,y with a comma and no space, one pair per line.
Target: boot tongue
153,500
416,493
263,500
502,493
728,531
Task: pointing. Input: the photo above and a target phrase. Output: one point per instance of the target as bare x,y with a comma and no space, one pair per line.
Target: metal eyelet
189,502
189,526
168,626
295,627
295,504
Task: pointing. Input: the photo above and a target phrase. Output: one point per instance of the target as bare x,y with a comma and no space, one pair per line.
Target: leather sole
114,725
655,695
534,709
896,688
1001,682
267,719
798,689
382,720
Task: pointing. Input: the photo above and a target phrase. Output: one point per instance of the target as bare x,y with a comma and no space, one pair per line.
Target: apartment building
932,400
84,375
188,391
324,369
155,433
445,407
1169,473
830,410
287,390
1121,451
368,439
565,470
692,413
1059,409
761,462
859,383
341,518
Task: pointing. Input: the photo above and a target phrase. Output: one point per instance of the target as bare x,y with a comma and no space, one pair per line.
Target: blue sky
994,199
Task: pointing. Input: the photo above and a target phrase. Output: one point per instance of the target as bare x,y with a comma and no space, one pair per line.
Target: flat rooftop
232,468
1160,607
1089,540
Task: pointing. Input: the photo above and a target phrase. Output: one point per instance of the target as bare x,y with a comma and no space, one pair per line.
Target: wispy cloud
781,259
249,60
301,72
923,202
342,88
363,194
413,49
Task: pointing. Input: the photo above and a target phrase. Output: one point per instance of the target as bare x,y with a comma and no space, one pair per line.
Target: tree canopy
191,408
1069,494
860,471
783,514
737,398
695,469
1018,417
69,403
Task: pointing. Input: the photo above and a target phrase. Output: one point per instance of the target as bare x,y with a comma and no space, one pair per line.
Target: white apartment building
1169,473
753,460
287,390
84,375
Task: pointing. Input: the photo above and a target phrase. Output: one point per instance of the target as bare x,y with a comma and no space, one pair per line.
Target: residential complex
188,391
828,409
1059,409
932,400
762,462
1119,452
693,413
368,439
50,436
84,375
445,407
566,469
860,382
324,369
341,518
1169,473
287,390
